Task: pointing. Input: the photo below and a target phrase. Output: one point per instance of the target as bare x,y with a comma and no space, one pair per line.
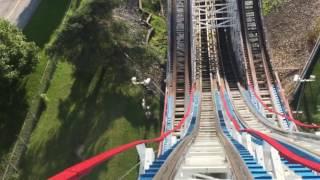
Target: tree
17,56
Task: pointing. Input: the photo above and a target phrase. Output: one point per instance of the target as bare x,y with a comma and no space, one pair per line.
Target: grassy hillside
270,5
46,20
91,105
310,101
86,114
15,104
158,22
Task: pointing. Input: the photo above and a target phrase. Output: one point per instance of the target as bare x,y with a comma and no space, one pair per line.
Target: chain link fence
9,168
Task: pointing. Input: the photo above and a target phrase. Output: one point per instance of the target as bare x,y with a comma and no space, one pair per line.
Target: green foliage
91,96
310,102
21,102
269,5
91,38
152,6
159,38
17,56
82,29
46,19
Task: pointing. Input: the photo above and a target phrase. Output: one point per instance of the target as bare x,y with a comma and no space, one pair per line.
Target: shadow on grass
40,29
310,100
102,110
311,103
13,108
98,98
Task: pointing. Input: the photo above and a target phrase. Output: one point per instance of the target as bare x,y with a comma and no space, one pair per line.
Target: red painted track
297,122
289,155
83,168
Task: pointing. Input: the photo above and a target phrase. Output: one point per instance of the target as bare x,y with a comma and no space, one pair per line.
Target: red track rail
289,155
297,122
83,168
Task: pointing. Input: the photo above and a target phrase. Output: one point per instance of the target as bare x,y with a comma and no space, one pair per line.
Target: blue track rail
256,170
161,160
299,170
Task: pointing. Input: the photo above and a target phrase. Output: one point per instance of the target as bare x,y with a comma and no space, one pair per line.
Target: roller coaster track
247,113
180,60
224,128
205,155
257,60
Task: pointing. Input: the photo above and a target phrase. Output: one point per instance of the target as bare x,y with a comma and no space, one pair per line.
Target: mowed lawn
46,20
40,28
310,102
87,113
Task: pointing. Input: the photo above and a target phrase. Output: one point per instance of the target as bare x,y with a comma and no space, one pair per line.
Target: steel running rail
258,63
314,56
299,143
289,155
297,122
250,118
237,125
254,119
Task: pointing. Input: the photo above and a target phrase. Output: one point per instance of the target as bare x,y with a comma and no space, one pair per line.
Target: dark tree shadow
13,108
101,94
40,29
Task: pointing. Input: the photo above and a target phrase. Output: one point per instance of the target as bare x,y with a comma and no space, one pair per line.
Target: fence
307,69
37,104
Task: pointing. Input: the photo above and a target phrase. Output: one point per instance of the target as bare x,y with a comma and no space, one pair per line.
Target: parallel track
258,63
180,59
243,109
249,119
205,157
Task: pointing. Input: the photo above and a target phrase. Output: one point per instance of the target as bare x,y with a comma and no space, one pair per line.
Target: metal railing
306,71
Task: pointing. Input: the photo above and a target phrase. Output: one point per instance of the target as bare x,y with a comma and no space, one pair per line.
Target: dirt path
18,12
287,33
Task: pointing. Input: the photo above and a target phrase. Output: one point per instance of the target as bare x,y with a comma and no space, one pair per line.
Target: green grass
32,81
159,37
89,109
152,6
88,113
46,20
269,5
16,103
310,102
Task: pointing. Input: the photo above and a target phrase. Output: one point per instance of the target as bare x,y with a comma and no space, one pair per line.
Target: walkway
18,12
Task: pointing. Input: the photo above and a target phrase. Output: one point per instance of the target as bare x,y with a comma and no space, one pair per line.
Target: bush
17,56
269,5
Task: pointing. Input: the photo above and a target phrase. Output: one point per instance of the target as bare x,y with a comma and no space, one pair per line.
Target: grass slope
310,102
86,115
40,28
270,5
91,105
46,20
159,38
